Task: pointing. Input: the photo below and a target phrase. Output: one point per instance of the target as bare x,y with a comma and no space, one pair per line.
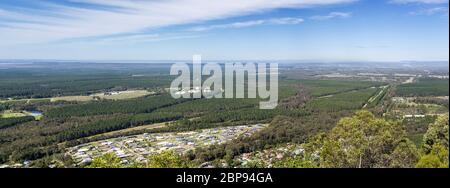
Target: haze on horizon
325,30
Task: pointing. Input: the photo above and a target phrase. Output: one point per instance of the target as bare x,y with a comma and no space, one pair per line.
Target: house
413,116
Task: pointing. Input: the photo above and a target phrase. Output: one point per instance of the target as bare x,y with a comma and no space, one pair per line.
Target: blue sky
324,30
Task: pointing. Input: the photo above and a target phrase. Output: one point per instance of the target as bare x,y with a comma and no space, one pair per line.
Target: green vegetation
376,100
424,87
3,107
294,120
437,158
9,122
311,113
437,133
417,127
12,114
435,145
298,162
330,87
364,141
343,101
432,100
109,160
167,159
119,95
282,129
117,123
45,83
134,106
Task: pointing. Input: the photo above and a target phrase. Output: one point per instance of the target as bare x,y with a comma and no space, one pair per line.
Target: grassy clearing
72,98
108,95
12,114
124,94
23,101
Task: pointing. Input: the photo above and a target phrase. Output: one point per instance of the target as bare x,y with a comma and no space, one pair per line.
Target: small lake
35,113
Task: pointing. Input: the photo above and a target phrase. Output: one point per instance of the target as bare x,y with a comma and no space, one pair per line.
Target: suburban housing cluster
137,147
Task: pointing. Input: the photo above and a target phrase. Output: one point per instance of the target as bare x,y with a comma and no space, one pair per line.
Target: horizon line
219,60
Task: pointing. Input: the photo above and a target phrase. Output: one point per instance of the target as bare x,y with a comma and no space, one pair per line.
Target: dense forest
133,106
9,122
74,79
425,87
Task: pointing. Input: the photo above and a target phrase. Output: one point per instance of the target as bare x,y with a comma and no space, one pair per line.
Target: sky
323,30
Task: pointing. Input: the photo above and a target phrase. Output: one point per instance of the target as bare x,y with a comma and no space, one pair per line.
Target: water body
35,113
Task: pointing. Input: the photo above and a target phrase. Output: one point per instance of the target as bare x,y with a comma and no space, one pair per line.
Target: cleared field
72,98
124,94
21,101
12,114
407,106
119,95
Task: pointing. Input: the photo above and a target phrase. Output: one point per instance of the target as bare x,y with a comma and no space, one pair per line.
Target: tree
437,158
435,145
363,141
255,164
168,159
109,160
437,133
404,155
295,162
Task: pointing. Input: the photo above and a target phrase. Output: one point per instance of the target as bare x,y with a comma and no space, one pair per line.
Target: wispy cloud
273,21
431,11
332,15
419,1
142,38
57,21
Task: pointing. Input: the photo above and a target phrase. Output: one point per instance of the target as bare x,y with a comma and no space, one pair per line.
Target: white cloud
419,1
55,21
332,15
273,21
